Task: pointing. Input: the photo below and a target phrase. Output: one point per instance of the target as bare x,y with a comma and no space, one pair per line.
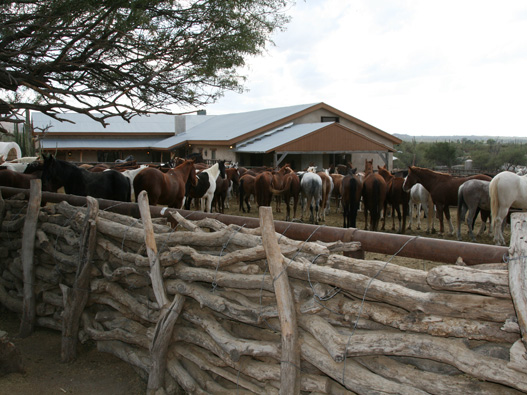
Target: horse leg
471,218
498,223
461,212
447,216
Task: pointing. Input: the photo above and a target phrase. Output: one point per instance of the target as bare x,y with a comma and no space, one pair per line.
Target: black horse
110,184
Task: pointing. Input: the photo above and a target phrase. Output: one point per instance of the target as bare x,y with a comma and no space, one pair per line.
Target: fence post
518,270
27,257
290,364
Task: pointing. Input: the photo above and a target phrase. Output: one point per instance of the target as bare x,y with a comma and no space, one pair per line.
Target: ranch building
301,135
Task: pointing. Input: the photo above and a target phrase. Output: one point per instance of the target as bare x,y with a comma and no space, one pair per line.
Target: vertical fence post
518,270
27,257
290,364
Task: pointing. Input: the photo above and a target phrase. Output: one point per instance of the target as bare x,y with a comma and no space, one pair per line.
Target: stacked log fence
201,306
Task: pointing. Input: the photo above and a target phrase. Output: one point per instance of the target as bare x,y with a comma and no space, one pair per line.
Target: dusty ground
99,373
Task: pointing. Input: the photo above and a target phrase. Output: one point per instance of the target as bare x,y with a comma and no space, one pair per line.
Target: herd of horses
182,181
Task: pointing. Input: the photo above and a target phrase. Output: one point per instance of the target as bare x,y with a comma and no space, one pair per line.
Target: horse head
410,180
221,165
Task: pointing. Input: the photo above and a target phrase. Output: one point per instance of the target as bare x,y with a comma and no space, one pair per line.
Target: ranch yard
96,372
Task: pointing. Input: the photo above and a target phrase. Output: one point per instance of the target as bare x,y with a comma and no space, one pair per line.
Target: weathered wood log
518,270
233,346
65,232
468,279
77,297
431,382
463,306
222,279
351,374
132,355
13,304
453,352
290,361
436,325
107,248
387,272
148,313
27,257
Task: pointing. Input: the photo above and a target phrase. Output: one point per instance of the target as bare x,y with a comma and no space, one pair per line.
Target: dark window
330,119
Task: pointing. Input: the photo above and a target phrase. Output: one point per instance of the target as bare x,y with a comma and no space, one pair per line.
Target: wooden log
471,280
2,209
77,297
183,378
122,257
463,306
235,347
453,352
169,312
65,232
401,319
387,272
351,374
431,382
518,270
27,256
222,279
290,361
131,355
13,304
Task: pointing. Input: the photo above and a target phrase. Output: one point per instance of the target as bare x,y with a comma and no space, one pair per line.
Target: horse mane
429,171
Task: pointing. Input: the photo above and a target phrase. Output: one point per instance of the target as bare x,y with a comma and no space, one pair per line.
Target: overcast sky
450,67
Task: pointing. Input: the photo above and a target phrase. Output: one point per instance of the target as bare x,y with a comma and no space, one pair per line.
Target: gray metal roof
279,136
103,143
229,126
154,124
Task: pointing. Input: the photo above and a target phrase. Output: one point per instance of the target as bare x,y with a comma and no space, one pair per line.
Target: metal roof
103,143
268,141
152,124
229,126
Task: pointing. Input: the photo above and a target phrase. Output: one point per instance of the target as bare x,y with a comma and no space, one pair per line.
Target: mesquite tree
109,58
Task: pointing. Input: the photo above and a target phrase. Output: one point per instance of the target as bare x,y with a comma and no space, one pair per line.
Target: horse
165,188
473,196
442,187
311,188
373,194
233,175
246,190
351,192
327,189
420,197
395,197
130,174
507,190
337,183
110,185
213,172
291,191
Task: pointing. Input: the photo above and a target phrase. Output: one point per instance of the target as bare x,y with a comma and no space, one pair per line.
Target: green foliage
490,156
109,58
442,153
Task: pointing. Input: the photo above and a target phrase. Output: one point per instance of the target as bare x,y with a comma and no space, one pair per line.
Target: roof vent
202,112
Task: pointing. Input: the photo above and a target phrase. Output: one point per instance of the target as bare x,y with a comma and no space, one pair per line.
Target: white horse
311,188
420,197
506,190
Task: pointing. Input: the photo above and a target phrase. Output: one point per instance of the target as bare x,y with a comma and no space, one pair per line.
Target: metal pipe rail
437,250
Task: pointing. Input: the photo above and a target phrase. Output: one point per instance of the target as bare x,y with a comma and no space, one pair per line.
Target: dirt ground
99,373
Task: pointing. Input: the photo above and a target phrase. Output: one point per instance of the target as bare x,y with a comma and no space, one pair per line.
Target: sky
416,67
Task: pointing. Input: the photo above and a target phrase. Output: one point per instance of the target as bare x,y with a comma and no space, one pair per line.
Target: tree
107,58
442,153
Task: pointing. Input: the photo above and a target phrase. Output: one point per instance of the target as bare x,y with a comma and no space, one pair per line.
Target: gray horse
473,196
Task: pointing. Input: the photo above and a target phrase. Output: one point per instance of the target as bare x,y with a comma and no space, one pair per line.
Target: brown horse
395,197
262,188
442,187
166,188
337,183
327,189
351,192
373,195
246,190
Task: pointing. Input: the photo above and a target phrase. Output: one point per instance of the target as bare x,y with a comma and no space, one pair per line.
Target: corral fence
204,303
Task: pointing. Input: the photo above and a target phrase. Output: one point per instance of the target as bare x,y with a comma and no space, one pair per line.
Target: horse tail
241,194
375,212
494,200
353,203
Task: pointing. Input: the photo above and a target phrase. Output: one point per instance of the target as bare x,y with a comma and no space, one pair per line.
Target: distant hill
433,139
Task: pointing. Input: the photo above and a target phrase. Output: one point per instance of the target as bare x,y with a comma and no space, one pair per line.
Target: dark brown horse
14,179
395,197
373,195
443,189
246,190
351,192
166,188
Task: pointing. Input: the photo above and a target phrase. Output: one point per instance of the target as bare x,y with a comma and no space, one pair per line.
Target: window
330,119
